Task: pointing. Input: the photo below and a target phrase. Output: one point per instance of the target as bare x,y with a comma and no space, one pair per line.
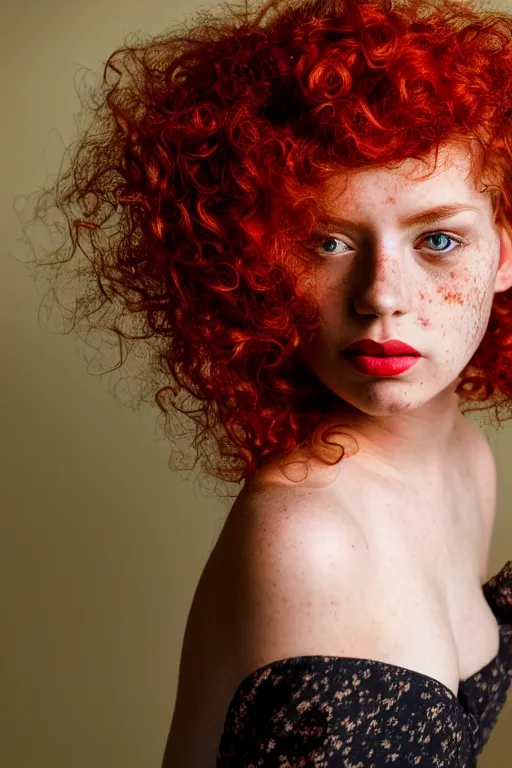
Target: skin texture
380,279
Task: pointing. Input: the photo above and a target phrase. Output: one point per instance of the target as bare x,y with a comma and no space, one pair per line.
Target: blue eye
447,237
331,239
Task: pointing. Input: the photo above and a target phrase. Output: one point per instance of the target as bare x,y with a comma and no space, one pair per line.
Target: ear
503,279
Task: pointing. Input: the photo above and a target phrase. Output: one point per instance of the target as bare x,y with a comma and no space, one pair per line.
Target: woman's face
428,284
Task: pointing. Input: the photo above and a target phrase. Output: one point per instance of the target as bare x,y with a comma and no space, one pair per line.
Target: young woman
315,207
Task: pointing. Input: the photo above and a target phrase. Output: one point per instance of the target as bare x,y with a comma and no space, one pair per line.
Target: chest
429,552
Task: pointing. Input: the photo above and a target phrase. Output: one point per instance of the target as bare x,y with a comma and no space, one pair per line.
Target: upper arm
289,578
299,584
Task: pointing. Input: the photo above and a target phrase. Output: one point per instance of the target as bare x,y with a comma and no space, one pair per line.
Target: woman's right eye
332,240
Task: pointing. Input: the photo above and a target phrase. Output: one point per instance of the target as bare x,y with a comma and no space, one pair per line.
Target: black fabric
334,712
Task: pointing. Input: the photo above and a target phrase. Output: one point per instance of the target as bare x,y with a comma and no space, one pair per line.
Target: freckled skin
386,281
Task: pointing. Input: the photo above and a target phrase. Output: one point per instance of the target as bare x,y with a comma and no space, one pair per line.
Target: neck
404,444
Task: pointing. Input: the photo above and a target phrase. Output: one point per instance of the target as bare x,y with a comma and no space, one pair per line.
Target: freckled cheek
454,302
457,290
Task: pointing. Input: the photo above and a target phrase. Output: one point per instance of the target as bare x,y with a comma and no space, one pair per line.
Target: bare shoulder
289,576
300,576
482,464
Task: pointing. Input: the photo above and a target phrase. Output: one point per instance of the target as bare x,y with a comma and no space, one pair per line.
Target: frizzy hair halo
190,199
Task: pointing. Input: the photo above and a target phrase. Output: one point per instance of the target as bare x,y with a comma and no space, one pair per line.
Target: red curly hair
196,191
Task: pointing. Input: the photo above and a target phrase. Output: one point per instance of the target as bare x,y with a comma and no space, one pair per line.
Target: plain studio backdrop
101,545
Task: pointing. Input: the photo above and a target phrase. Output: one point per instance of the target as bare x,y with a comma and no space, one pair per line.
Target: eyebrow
424,217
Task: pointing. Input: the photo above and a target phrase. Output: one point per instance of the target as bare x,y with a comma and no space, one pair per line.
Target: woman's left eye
446,237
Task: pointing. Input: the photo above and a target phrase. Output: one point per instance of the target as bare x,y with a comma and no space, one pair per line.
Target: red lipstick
371,347
387,359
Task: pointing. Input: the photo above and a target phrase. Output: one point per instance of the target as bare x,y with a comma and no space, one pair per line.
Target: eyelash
322,238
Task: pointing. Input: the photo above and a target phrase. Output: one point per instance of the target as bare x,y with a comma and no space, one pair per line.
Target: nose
382,286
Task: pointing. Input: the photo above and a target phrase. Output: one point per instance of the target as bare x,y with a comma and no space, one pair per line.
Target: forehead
448,179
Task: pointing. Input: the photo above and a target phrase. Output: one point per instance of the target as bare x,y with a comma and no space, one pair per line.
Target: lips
383,365
391,348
